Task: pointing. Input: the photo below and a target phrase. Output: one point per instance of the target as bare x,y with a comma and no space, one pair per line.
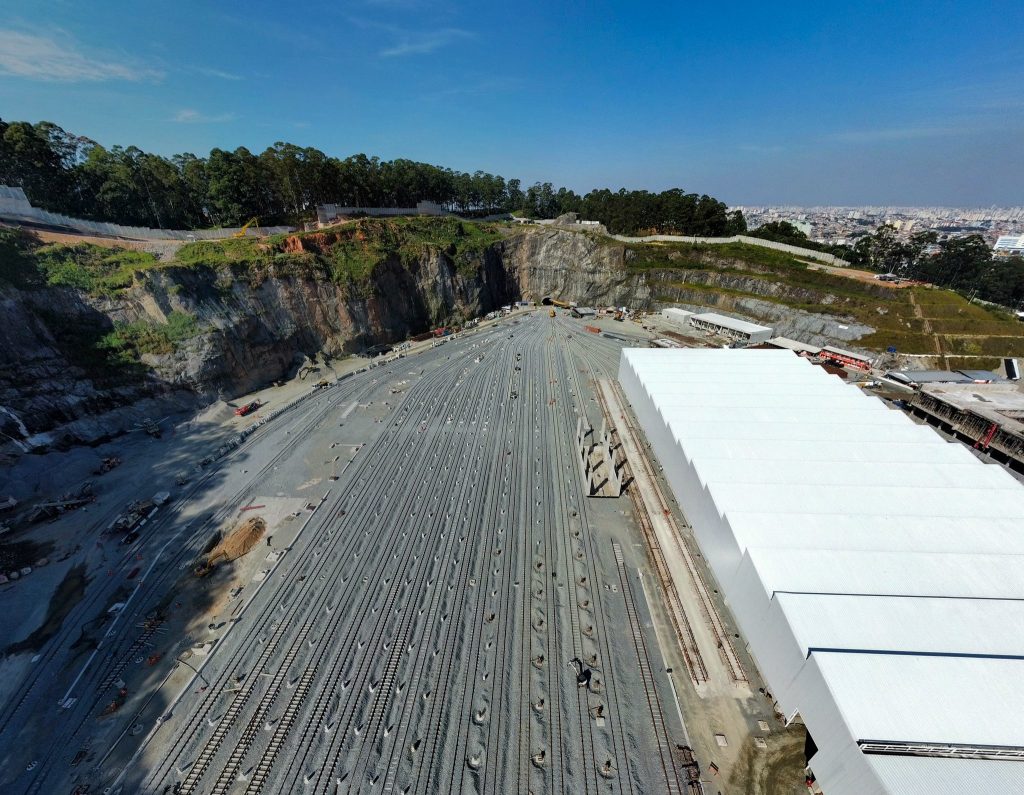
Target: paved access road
426,630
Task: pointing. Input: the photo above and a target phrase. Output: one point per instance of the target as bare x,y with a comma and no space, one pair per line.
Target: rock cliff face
573,266
57,386
60,385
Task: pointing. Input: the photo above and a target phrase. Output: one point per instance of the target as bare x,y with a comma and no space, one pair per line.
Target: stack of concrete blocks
583,448
609,482
613,488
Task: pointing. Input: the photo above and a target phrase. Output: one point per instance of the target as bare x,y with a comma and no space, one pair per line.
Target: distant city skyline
754,103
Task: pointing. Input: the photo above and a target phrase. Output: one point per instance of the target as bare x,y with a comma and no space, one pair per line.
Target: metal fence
808,253
16,208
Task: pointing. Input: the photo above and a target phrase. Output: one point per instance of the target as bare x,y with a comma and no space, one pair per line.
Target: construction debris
107,464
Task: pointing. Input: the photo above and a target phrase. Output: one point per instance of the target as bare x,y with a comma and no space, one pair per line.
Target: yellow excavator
252,221
207,565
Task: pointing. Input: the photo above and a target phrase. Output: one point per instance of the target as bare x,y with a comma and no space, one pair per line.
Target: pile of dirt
239,541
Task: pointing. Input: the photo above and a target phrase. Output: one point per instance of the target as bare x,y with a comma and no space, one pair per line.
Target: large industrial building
731,328
875,569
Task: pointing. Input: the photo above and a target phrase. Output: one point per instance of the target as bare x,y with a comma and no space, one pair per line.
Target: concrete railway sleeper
665,747
121,655
579,498
378,446
612,662
722,636
475,554
680,622
503,589
365,665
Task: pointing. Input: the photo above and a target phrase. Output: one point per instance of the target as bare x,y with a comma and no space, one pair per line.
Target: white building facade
875,569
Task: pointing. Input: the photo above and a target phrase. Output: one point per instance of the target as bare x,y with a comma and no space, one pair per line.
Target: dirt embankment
238,542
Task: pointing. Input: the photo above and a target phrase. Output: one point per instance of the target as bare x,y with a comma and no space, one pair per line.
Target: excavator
208,565
252,221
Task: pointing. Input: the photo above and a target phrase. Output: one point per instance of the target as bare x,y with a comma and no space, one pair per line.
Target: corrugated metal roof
905,624
929,376
793,345
965,700
912,775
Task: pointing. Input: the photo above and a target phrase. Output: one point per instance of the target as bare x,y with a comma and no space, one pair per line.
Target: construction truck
131,518
66,502
551,313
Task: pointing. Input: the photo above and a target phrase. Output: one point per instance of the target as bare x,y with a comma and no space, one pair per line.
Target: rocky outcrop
573,266
59,384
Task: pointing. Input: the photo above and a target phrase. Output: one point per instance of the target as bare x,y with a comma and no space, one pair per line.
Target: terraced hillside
769,285
87,330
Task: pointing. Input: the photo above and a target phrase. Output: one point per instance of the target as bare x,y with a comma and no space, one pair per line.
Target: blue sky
864,102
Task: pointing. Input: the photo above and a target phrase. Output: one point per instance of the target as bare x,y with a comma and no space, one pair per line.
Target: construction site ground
341,479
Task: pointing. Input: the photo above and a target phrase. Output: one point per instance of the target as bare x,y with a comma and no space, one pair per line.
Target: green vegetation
964,264
128,341
740,271
349,253
984,346
92,268
62,172
785,232
973,363
697,256
17,263
24,262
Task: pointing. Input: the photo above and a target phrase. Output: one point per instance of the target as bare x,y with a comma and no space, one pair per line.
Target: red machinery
248,408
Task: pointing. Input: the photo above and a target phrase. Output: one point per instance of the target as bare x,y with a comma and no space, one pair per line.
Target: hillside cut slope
86,331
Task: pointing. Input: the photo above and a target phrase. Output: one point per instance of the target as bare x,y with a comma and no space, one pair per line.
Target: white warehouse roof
875,569
742,326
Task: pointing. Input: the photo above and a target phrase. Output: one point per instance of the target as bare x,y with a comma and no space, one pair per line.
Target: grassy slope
959,326
348,254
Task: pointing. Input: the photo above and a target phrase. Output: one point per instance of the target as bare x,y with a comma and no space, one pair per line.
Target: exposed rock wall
250,331
257,325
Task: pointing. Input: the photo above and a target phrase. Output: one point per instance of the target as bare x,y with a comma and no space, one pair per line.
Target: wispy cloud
191,116
498,85
423,42
219,73
58,57
897,134
762,149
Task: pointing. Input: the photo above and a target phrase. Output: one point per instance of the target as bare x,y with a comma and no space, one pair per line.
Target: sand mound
239,541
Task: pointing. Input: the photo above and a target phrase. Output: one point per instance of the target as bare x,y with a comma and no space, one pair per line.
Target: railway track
295,598
97,681
394,648
665,746
723,638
